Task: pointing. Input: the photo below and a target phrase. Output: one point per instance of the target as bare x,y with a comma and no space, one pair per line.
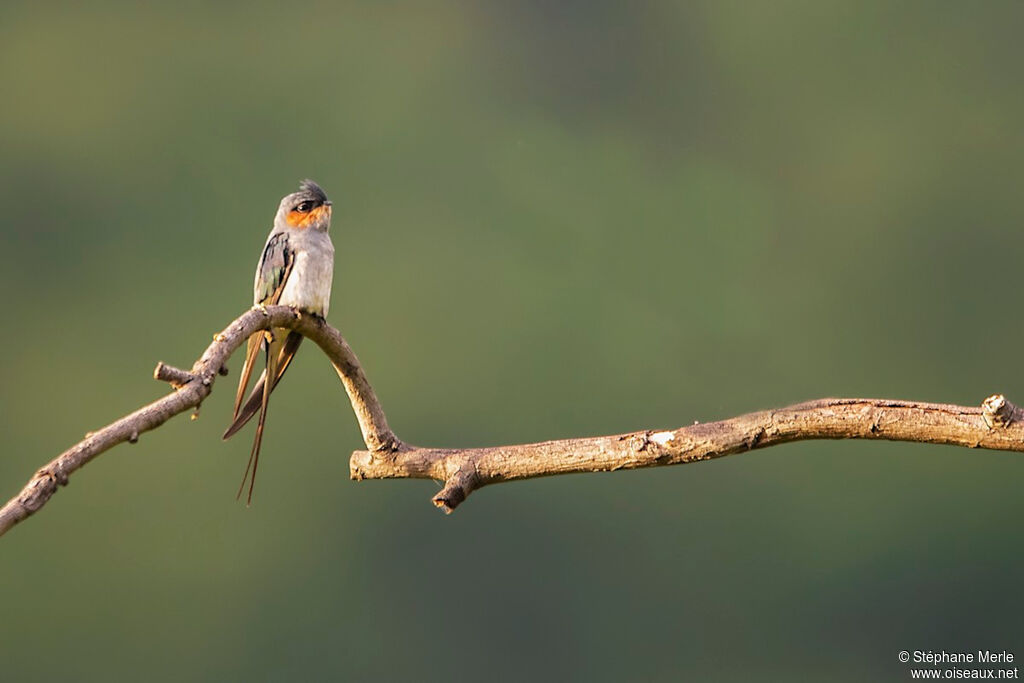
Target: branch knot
999,412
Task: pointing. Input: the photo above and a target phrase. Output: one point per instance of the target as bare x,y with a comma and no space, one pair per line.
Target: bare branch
997,424
194,386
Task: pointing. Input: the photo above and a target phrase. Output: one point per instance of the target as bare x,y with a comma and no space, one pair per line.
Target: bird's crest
314,191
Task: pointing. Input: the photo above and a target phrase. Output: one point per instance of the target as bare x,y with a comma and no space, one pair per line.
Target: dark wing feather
274,270
275,267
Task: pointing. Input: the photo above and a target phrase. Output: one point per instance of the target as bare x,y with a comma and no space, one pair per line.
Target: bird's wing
276,266
271,277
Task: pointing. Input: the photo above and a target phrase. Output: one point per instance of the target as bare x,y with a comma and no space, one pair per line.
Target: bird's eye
304,207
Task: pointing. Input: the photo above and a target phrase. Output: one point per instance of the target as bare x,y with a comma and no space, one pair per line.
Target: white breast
309,284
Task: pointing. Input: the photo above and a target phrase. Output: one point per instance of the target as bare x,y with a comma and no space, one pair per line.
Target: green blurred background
552,220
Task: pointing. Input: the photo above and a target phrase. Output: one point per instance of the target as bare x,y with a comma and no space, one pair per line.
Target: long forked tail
278,356
254,454
255,400
254,345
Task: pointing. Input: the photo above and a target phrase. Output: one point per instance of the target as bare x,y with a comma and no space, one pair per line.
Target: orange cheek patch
300,220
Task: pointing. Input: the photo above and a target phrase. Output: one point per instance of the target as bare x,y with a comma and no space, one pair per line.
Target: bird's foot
300,312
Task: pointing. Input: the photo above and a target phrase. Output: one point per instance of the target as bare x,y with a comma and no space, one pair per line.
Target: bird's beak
328,203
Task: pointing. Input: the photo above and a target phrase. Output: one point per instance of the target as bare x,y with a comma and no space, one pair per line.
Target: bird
295,269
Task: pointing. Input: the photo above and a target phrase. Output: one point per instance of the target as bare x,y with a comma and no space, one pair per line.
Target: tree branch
191,387
997,424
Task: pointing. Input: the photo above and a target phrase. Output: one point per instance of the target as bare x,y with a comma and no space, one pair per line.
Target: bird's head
305,209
